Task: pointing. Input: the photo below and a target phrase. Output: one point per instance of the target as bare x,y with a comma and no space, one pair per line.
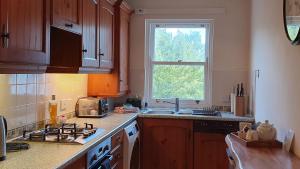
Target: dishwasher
211,133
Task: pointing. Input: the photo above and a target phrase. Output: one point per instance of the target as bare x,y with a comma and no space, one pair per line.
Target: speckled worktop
57,155
43,155
187,114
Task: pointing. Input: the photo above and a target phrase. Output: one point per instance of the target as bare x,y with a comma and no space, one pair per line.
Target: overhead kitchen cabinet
106,25
90,35
67,15
98,33
81,51
66,36
116,83
24,27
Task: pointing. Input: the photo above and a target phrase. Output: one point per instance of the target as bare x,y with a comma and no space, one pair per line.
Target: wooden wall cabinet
210,151
79,35
67,15
106,25
167,144
96,30
90,54
123,12
24,29
116,83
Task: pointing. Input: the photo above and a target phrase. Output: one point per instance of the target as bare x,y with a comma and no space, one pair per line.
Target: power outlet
64,104
226,99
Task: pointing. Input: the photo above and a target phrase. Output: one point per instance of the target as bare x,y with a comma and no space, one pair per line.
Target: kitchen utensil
3,133
252,135
14,147
266,131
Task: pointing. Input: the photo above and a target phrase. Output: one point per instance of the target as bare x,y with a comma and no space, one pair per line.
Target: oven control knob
94,158
100,150
106,148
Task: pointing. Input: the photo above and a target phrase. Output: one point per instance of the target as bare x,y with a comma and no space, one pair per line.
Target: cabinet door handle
101,54
119,139
69,25
4,37
84,50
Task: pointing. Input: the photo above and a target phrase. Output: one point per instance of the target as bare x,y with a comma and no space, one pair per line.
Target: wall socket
226,99
64,103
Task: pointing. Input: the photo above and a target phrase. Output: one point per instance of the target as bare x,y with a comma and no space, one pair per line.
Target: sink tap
176,103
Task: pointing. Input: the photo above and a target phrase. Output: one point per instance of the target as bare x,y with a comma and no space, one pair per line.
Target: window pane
184,82
186,44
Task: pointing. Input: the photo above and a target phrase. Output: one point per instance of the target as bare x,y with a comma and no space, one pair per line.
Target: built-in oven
99,157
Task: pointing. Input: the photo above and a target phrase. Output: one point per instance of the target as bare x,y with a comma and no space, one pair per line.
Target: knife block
238,105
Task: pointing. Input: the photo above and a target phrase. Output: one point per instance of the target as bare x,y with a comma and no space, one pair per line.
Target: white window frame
150,25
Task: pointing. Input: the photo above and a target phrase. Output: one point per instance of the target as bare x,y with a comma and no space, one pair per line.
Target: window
178,58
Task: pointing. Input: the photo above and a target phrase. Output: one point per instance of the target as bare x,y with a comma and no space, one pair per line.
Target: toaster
91,107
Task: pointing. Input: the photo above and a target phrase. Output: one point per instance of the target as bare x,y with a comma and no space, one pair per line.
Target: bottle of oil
53,110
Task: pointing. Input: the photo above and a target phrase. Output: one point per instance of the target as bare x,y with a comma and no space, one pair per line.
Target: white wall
231,41
278,88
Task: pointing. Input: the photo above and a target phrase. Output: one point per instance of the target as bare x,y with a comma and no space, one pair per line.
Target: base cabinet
78,164
117,150
210,151
167,144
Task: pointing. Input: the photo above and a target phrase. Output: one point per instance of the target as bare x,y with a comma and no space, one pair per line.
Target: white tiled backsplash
24,97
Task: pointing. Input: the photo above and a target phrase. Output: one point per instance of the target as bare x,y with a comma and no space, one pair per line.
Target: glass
186,82
180,44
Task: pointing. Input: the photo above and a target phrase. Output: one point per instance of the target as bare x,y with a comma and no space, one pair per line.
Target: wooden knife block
239,106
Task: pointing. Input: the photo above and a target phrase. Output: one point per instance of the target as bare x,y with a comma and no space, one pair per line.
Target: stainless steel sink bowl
160,112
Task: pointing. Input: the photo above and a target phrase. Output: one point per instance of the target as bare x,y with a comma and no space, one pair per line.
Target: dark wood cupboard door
78,164
167,144
25,31
3,27
124,50
210,151
67,15
90,34
106,35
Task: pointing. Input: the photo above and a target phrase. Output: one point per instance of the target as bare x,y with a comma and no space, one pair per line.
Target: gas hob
64,133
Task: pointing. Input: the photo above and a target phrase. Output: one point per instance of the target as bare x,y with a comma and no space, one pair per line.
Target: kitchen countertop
186,114
261,158
43,155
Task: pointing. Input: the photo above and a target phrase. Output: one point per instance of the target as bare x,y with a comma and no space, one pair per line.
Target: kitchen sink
160,112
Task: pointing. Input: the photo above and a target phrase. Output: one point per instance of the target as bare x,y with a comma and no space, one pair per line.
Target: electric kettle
3,134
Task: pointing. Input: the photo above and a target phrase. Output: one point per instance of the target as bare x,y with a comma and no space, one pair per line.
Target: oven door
98,165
